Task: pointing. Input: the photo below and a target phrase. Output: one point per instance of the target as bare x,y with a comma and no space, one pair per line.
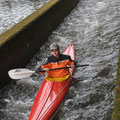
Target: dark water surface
94,29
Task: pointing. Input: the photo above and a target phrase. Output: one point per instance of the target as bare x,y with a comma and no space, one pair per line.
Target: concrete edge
116,109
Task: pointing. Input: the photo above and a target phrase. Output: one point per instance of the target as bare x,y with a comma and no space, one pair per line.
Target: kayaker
57,60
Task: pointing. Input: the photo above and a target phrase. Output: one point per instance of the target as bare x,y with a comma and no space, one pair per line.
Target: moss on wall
116,112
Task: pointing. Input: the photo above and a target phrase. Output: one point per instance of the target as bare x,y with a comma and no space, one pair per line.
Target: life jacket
58,79
52,62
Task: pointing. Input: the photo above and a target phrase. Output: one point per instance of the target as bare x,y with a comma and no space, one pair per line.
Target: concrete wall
116,111
21,42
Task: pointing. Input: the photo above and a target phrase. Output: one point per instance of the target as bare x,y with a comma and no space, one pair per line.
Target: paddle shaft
62,68
23,73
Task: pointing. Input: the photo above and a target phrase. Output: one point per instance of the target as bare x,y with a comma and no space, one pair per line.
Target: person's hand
73,66
46,69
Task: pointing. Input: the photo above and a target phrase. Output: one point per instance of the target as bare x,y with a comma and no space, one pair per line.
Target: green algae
116,111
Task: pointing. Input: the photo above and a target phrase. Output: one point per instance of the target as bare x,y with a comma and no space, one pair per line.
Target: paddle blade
20,73
98,64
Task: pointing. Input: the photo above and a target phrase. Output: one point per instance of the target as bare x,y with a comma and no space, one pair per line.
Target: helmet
54,46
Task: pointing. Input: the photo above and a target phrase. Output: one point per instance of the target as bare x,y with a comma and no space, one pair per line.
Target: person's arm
46,69
45,66
73,66
71,63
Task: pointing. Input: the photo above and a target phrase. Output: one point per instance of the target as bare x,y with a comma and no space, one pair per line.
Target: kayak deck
51,94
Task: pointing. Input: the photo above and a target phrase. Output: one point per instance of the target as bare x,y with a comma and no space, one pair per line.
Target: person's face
55,52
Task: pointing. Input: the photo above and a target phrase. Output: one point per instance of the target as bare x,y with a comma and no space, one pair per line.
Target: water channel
94,29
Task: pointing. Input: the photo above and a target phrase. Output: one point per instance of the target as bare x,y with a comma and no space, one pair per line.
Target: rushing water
93,28
13,11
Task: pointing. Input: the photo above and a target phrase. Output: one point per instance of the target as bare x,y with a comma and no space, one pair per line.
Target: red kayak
51,94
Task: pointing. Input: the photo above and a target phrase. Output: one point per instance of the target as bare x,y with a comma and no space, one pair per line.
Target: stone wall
116,111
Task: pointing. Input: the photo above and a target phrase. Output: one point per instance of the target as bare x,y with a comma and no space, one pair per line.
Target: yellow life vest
59,79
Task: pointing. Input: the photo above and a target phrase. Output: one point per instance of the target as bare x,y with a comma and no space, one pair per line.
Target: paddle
24,73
